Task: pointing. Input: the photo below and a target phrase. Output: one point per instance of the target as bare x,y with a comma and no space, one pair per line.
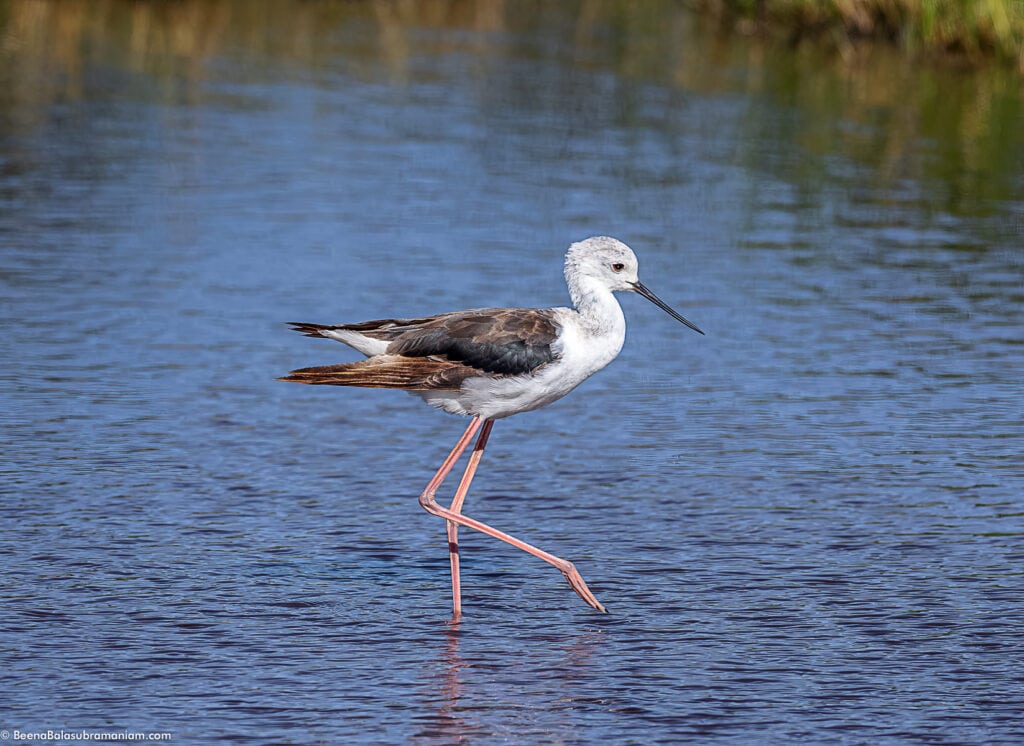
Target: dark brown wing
506,341
440,352
388,372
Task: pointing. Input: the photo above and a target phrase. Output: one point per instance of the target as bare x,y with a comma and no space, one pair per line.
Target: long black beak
639,287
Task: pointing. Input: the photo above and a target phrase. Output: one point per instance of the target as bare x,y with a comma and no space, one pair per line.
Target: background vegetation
973,30
887,99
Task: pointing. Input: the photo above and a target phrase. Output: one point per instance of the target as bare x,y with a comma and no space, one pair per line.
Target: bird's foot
578,585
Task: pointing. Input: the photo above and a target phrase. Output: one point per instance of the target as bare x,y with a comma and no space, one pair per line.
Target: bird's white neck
599,311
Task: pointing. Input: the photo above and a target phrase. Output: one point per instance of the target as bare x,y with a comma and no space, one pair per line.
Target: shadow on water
807,525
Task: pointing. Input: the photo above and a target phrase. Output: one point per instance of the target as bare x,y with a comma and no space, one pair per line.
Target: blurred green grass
974,30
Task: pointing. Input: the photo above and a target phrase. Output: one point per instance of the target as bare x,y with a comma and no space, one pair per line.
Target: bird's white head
605,259
611,264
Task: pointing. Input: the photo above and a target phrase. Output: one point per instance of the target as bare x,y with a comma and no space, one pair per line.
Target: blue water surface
808,526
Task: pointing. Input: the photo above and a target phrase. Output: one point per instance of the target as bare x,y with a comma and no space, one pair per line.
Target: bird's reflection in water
442,721
450,700
578,653
450,673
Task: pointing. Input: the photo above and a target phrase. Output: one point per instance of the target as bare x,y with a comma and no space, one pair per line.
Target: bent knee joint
428,501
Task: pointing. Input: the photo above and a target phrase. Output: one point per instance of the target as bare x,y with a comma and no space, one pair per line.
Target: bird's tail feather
385,372
310,330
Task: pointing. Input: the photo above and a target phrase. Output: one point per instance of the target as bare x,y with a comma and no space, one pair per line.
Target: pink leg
439,477
429,502
456,507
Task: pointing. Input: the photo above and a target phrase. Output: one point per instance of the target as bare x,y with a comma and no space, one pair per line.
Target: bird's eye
618,266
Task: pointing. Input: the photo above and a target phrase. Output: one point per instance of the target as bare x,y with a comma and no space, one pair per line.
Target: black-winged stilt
490,363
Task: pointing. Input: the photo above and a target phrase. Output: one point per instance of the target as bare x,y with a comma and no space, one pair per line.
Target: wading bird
489,363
